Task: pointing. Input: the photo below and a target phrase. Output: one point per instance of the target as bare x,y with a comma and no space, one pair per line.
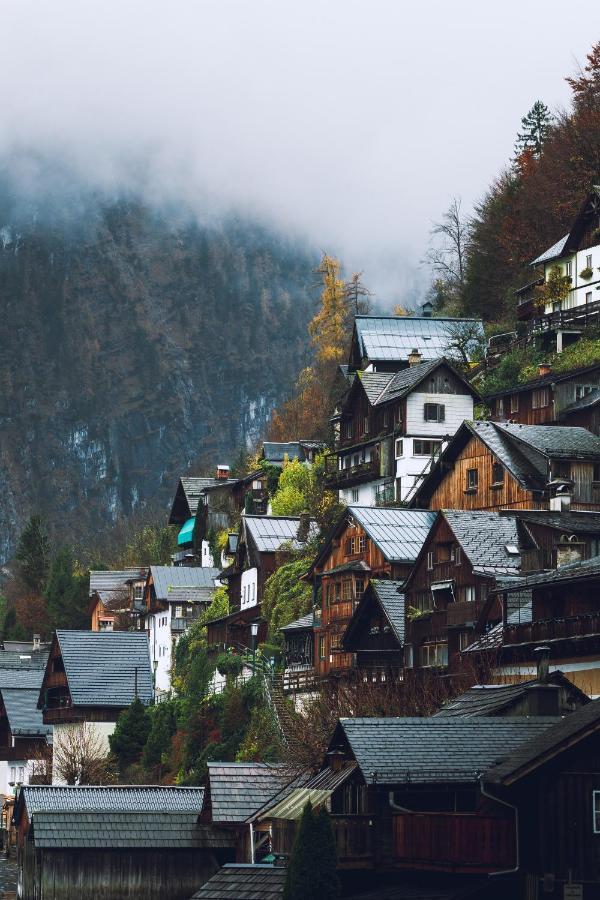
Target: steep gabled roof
114,582
398,533
103,667
188,495
544,381
492,699
392,338
235,881
589,211
581,570
384,387
269,533
553,252
484,537
302,624
238,790
436,749
389,597
556,442
165,578
24,717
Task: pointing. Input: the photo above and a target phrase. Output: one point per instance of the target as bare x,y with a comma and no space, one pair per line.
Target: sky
350,123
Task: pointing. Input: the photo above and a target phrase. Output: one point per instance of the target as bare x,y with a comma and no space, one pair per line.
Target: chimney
304,527
222,473
414,358
427,309
544,369
36,641
542,655
561,502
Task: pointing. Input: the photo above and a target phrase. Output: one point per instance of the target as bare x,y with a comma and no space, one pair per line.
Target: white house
391,427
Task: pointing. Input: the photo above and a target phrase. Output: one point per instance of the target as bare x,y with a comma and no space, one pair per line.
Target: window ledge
497,486
470,491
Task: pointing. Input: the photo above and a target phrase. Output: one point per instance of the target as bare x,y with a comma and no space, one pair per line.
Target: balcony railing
353,838
299,678
552,629
461,842
575,317
339,478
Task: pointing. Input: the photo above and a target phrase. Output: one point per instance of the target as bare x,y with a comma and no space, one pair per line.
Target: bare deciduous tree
357,295
447,254
465,341
80,758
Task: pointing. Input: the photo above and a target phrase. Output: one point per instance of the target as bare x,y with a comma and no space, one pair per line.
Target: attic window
511,549
434,412
497,473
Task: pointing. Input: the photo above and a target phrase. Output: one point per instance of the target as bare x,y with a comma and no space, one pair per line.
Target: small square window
497,473
472,479
434,412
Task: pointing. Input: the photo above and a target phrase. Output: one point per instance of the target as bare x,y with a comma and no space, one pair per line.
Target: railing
464,842
352,474
299,679
353,838
578,316
552,629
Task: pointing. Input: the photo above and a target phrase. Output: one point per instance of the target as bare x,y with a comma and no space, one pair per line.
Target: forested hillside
134,344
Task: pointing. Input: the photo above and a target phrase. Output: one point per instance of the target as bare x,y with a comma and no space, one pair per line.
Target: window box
586,273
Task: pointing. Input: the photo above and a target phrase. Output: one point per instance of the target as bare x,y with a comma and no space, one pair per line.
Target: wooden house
90,677
140,842
367,542
375,633
189,512
112,595
278,453
499,465
390,426
462,560
569,398
384,343
299,654
557,611
25,741
557,538
558,321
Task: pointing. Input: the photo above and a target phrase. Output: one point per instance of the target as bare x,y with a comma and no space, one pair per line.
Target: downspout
516,812
251,844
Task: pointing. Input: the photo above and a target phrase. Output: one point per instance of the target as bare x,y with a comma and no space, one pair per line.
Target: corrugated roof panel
392,338
270,532
399,533
168,577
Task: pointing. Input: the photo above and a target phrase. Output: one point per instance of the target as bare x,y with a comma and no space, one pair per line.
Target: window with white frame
434,412
539,398
138,591
399,448
569,268
588,261
588,297
434,654
178,612
355,495
581,390
426,448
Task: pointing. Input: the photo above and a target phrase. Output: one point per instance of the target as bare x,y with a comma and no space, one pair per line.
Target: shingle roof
112,798
580,521
556,442
392,602
520,760
191,594
107,584
490,699
270,532
237,790
244,882
484,537
543,380
374,383
164,828
575,571
591,399
24,718
306,621
493,638
101,666
193,488
14,677
167,577
552,252
276,452
530,471
392,338
398,533
395,750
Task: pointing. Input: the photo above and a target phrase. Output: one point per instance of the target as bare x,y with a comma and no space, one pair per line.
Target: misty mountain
134,344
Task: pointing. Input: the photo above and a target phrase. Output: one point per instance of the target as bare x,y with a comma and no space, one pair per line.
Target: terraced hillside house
567,398
263,544
193,547
500,465
112,596
385,343
376,632
390,426
556,611
367,542
557,538
139,842
558,317
174,597
464,557
90,677
25,741
278,453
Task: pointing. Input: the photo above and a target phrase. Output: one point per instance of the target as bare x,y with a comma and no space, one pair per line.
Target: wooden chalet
556,612
299,654
367,542
556,323
112,596
375,633
391,425
136,841
552,539
500,465
195,511
25,741
462,560
278,453
568,398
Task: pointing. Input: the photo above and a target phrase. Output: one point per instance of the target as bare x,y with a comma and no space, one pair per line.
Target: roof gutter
484,793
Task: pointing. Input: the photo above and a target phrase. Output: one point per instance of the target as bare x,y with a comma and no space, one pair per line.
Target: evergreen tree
162,730
66,592
33,555
536,127
130,735
311,873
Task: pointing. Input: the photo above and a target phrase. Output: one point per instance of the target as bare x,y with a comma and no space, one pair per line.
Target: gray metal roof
112,798
237,790
270,532
15,677
244,882
101,666
168,577
391,598
575,571
107,584
556,442
24,718
137,830
305,622
492,699
484,537
552,252
392,338
398,533
396,750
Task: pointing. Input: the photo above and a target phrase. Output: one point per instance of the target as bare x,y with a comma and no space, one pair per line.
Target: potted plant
586,273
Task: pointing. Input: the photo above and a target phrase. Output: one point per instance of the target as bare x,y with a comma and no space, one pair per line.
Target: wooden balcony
463,613
453,842
336,478
353,837
544,630
576,317
299,679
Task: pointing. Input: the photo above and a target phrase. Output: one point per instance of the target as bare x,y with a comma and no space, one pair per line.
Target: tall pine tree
33,555
66,592
536,127
311,874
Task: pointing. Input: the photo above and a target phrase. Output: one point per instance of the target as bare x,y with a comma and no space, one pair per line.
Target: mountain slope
131,348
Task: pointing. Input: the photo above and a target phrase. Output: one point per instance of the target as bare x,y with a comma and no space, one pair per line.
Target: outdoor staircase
280,707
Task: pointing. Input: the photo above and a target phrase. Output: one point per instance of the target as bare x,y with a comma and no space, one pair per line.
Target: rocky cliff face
132,348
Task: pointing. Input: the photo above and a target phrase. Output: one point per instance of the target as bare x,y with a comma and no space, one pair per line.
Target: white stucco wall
249,588
579,286
160,641
206,560
458,407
